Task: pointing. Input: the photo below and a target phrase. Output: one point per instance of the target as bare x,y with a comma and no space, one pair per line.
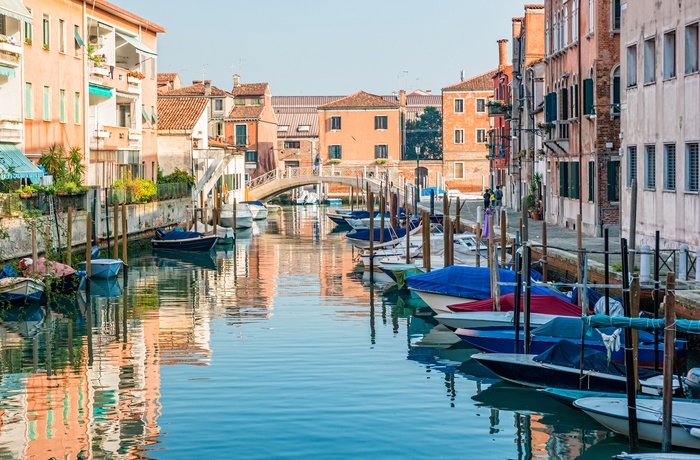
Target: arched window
615,90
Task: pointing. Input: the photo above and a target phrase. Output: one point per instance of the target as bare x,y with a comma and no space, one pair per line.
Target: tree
425,133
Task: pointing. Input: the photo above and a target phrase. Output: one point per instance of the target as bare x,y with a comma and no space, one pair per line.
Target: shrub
178,176
140,190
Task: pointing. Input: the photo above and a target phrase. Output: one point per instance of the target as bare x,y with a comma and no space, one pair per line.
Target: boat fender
694,431
81,273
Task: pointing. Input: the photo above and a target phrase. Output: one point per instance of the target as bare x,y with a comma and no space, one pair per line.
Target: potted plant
381,161
334,161
26,191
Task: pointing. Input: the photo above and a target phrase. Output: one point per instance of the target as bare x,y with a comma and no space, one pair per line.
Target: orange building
360,129
465,124
500,111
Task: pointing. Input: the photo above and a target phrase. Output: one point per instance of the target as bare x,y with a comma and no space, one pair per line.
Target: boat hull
202,244
440,303
462,320
103,268
18,290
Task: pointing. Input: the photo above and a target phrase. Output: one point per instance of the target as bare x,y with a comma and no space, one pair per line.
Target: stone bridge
278,181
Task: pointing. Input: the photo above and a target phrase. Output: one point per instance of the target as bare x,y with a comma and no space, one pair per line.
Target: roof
128,15
14,165
250,89
482,82
180,113
246,111
360,99
166,77
294,119
196,89
302,101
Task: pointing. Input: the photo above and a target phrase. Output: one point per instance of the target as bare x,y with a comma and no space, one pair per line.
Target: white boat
103,268
470,319
440,303
613,413
225,234
306,197
20,289
256,208
273,207
244,218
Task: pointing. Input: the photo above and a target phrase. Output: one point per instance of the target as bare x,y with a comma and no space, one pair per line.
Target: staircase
221,159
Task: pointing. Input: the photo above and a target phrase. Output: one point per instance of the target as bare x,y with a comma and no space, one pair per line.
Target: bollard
683,262
480,215
645,264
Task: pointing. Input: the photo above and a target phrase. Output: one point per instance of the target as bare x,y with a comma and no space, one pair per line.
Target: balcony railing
11,131
499,109
10,54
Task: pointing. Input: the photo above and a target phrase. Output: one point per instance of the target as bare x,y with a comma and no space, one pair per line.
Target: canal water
274,348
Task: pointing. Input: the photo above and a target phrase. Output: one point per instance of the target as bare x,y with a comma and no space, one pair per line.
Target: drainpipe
580,119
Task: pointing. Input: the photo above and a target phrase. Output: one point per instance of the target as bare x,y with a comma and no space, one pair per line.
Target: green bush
177,177
139,190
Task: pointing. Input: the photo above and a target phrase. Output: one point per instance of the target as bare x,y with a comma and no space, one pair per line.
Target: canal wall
141,218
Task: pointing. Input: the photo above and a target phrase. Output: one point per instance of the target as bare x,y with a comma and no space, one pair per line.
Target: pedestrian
492,198
317,161
499,197
487,198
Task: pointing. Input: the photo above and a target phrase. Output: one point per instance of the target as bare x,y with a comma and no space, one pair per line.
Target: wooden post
445,230
579,266
633,224
69,237
34,248
88,240
370,208
351,199
478,244
493,263
382,220
234,215
201,205
426,241
125,233
116,230
669,349
634,313
523,231
458,212
504,238
545,267
630,363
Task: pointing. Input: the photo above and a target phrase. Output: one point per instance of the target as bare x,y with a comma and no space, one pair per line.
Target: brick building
499,110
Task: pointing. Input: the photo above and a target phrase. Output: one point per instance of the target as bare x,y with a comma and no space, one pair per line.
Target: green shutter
564,104
616,94
47,93
76,109
588,108
563,173
575,182
591,181
612,180
28,99
550,107
575,98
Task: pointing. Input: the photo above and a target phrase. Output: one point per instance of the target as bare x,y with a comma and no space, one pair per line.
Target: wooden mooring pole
115,221
370,209
629,355
125,232
69,237
669,339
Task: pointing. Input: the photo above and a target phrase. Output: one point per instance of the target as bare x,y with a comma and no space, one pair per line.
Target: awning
100,90
7,71
140,47
14,165
78,38
144,113
15,9
154,116
132,97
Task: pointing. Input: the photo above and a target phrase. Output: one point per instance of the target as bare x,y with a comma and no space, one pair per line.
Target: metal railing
12,205
163,192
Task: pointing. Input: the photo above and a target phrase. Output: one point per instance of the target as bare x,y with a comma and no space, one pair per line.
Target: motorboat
20,289
307,197
256,208
183,241
244,218
613,413
361,238
61,277
472,319
226,234
101,268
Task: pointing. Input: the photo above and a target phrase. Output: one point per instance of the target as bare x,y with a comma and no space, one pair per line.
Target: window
591,16
692,177
616,12
335,152
670,55
555,34
61,36
588,103
282,128
480,105
650,167
381,122
632,66
613,181
256,101
28,100
616,91
381,152
574,100
47,103
591,181
77,40
292,144
564,108
631,164
546,38
76,108
480,136
241,132
650,60
459,105
45,33
459,136
692,57
335,123
218,105
62,105
28,31
219,128
251,156
669,166
124,113
459,170
239,102
565,27
303,128
568,179
574,21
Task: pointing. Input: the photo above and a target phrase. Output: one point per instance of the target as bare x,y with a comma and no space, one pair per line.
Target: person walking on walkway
487,199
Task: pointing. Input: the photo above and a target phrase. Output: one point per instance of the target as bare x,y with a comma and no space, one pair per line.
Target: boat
613,414
273,207
334,201
101,268
568,396
226,234
361,239
183,241
656,456
108,287
256,208
559,367
501,339
20,289
459,283
306,197
470,319
61,277
244,218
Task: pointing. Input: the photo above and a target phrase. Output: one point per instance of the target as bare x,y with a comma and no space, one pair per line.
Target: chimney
207,87
402,98
502,53
517,26
461,75
197,82
236,80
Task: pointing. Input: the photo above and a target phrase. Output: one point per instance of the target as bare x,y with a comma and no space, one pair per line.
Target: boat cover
180,235
389,234
593,296
469,282
548,304
642,324
567,327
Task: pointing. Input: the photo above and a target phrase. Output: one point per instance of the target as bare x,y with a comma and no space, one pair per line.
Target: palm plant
52,160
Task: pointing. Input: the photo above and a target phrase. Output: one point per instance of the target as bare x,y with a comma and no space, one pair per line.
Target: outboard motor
160,231
693,382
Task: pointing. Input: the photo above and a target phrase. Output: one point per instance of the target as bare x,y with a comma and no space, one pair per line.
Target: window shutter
576,184
616,95
588,108
564,104
563,170
591,181
611,181
575,98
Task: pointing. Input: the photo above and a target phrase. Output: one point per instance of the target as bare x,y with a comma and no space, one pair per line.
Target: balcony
499,109
110,138
10,131
10,54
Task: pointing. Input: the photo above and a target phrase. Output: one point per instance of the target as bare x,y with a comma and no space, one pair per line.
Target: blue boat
501,339
361,239
101,268
183,241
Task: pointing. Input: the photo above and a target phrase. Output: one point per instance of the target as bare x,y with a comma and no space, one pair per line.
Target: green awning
14,165
140,47
15,9
154,116
145,114
100,90
78,38
7,71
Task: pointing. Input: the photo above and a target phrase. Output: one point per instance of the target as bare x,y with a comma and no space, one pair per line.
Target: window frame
459,105
335,123
218,105
461,165
672,71
632,164
237,136
28,29
62,115
670,167
335,152
381,152
459,136
481,132
28,100
46,32
650,167
687,41
632,70
381,122
62,36
692,182
483,105
615,15
76,108
650,60
46,113
292,144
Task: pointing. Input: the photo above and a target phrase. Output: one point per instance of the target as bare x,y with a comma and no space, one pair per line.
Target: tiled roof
181,112
166,77
128,15
246,111
483,82
360,99
195,90
294,119
532,6
302,101
250,89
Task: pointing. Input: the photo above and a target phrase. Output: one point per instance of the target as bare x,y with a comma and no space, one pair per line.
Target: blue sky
329,47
